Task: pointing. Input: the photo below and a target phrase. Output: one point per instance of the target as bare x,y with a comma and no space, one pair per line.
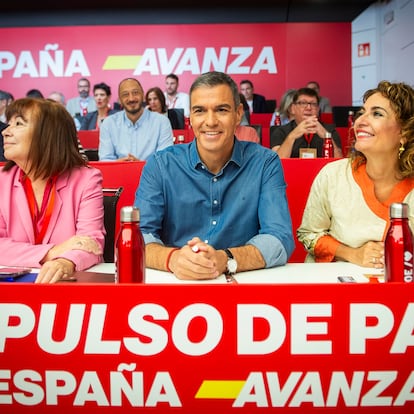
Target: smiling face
214,119
377,129
131,96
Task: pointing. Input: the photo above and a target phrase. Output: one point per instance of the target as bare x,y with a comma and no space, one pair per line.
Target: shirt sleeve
275,238
313,232
106,151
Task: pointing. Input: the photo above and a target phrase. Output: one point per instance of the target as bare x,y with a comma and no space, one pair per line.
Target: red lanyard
308,138
49,194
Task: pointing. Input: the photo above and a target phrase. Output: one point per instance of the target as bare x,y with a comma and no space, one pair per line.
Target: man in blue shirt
134,133
218,204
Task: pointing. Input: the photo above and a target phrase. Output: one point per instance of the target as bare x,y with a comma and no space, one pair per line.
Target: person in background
324,104
236,190
51,208
134,133
155,100
247,133
255,102
347,213
305,130
5,100
2,126
102,96
285,108
81,105
173,98
57,97
246,112
34,93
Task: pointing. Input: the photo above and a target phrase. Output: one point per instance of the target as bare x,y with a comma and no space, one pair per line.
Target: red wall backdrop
274,56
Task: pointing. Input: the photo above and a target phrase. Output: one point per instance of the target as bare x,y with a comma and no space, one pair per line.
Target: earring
401,150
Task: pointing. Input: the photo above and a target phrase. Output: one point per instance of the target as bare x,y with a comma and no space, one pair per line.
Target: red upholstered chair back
299,176
89,138
262,119
121,173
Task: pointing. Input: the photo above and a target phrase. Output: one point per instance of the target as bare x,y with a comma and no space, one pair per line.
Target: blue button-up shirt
118,136
245,203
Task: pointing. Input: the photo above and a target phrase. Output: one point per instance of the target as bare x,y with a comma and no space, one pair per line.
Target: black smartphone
346,279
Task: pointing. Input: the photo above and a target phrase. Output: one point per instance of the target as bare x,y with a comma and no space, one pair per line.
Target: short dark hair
34,93
247,81
210,79
104,87
307,92
173,76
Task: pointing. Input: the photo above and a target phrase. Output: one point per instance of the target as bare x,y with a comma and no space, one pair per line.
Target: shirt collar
236,156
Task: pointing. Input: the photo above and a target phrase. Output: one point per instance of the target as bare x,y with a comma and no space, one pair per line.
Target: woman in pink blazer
51,204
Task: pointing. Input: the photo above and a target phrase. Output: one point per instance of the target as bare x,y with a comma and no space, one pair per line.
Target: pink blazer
78,210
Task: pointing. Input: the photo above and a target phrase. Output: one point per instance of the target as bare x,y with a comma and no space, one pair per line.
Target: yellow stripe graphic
121,62
220,389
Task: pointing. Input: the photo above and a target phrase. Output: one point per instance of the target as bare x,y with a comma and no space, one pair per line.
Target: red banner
273,56
203,349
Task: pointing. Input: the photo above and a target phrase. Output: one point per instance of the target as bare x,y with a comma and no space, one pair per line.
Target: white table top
290,273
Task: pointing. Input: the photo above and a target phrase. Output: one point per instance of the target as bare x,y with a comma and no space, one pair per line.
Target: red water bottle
129,248
277,122
187,129
399,246
328,150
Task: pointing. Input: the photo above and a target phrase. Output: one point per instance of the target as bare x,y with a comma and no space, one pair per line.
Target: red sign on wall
364,49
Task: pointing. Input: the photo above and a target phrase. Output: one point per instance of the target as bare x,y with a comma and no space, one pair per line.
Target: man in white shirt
173,98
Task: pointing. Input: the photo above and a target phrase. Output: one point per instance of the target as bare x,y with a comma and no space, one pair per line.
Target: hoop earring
401,150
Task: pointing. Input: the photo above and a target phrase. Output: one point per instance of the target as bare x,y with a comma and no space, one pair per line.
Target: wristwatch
231,263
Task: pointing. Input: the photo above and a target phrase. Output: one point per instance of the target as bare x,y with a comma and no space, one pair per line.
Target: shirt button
214,179
215,201
214,222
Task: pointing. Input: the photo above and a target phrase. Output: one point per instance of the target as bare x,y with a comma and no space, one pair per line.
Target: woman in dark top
102,96
155,100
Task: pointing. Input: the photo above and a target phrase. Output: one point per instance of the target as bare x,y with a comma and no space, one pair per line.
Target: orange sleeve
325,249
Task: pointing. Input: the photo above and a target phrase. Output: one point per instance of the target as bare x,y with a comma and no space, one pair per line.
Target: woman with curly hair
347,213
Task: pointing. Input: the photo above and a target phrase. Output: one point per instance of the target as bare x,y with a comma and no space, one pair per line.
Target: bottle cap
328,135
399,210
129,214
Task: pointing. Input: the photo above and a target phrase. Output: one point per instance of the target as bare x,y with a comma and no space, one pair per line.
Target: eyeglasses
304,104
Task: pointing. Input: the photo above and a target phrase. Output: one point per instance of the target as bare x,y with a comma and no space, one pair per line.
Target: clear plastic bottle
399,246
328,150
129,248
